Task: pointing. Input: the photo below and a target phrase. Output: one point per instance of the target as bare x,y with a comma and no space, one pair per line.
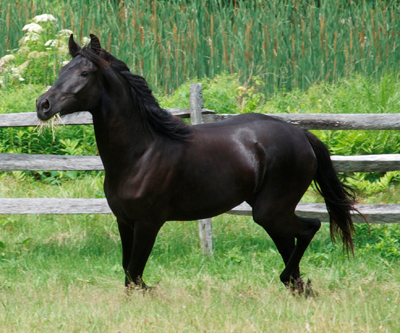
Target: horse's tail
339,198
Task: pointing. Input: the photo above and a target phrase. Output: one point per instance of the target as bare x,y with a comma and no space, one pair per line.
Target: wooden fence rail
374,213
31,162
362,163
316,121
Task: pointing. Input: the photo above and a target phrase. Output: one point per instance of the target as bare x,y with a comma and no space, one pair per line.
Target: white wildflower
23,50
44,18
15,73
65,33
30,36
6,59
36,55
33,27
55,43
22,68
49,42
85,41
21,79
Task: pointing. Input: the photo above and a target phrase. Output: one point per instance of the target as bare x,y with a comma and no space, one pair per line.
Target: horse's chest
137,198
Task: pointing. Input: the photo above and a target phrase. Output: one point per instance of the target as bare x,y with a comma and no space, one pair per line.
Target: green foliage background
291,44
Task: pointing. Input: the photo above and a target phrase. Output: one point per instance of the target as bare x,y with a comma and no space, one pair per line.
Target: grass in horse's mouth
53,122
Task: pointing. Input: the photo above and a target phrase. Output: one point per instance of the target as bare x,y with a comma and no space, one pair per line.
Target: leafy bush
222,94
42,51
60,140
381,240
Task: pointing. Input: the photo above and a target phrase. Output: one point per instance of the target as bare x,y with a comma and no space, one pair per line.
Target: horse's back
256,131
231,161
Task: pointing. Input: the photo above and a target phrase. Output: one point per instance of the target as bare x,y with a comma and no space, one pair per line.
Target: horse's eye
85,73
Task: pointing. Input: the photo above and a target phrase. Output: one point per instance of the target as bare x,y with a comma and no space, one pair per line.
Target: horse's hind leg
284,230
274,210
304,232
285,246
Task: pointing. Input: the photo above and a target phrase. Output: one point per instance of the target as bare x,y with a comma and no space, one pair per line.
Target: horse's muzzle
43,108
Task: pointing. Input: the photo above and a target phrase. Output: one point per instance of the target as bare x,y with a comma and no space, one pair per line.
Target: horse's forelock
100,60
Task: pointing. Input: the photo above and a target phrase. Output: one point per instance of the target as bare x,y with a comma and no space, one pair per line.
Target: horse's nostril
45,104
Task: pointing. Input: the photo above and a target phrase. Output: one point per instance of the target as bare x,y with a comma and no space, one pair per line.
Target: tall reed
288,43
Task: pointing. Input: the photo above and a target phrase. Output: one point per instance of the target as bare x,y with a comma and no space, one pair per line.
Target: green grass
63,274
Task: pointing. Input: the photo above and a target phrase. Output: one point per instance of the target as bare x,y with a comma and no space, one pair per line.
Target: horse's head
78,87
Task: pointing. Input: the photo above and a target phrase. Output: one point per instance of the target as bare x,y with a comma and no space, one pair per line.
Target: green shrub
222,94
42,51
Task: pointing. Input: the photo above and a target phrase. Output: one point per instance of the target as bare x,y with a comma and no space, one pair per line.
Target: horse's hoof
298,286
309,291
140,285
295,286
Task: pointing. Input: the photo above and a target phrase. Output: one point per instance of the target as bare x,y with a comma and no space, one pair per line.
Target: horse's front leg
140,245
126,234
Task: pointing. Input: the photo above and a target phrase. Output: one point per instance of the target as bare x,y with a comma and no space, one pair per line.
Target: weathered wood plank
383,121
373,213
53,206
367,163
196,105
31,162
320,121
28,119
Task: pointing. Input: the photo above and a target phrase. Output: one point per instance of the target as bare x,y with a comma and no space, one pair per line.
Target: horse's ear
95,44
74,48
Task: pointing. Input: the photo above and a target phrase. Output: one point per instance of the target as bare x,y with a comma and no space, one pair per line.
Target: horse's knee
271,218
310,228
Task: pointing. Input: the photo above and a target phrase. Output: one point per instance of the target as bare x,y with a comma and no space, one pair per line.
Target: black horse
159,169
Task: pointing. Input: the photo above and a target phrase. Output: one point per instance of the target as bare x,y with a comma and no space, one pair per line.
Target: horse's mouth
44,109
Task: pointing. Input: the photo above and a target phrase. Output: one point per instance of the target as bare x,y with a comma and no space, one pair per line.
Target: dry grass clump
52,123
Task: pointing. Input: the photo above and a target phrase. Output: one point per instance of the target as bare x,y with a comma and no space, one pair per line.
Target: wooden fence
362,163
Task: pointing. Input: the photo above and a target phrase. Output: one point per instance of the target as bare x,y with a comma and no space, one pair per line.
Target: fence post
196,105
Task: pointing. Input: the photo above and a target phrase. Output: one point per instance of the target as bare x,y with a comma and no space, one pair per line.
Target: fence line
32,162
361,163
374,213
316,121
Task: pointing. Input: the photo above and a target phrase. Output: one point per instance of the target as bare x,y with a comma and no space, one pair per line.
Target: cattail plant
291,43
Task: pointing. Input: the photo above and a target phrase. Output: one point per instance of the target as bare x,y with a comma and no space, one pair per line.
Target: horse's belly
197,212
205,199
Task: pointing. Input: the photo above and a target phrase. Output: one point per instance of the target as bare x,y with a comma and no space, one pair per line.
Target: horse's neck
120,133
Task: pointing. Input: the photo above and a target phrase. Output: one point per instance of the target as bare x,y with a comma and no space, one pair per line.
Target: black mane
155,118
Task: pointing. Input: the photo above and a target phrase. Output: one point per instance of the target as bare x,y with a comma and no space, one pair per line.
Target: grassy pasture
63,274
